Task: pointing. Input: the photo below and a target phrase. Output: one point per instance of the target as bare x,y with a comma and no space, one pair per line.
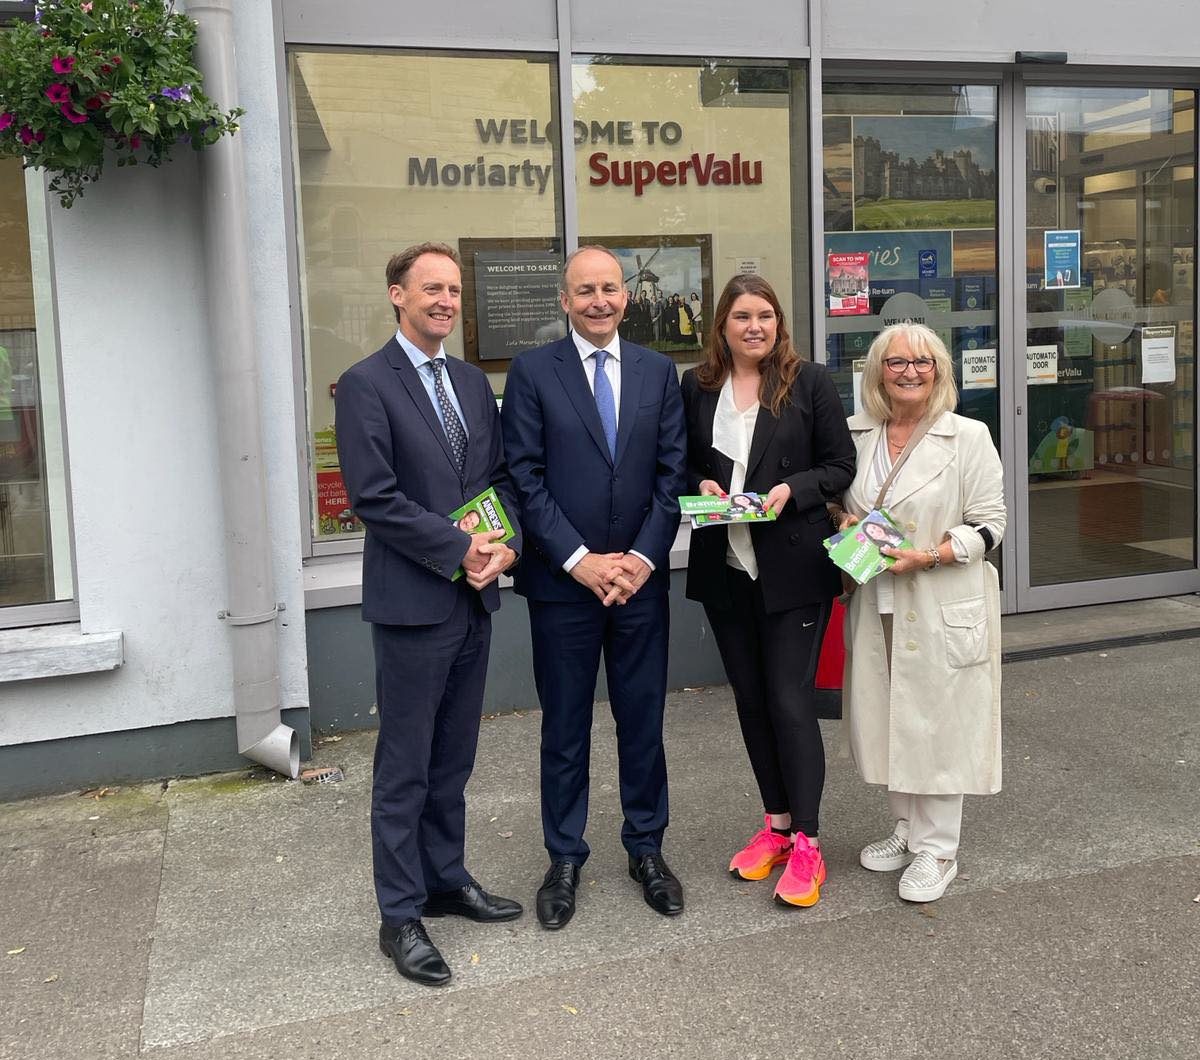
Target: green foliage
109,77
894,214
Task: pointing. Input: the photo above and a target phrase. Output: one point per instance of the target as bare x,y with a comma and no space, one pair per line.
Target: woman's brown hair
778,369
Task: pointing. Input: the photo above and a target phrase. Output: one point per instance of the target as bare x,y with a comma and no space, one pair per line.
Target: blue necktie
455,435
606,404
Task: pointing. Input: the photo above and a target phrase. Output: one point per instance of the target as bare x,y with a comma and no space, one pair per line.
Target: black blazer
400,475
807,446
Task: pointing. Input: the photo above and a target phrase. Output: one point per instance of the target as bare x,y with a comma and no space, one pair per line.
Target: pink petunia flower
58,93
71,114
86,8
26,134
63,65
6,119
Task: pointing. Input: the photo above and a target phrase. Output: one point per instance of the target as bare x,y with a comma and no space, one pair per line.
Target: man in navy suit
594,434
418,436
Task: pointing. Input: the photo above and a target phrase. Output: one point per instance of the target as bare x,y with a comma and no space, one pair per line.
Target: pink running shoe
758,857
801,881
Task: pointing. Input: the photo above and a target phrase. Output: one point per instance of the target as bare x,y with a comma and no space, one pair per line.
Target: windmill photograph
669,281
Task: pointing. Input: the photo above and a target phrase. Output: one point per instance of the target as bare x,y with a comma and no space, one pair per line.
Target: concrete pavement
233,915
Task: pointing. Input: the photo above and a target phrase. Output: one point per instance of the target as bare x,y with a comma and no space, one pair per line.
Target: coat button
794,539
911,616
912,645
910,526
786,462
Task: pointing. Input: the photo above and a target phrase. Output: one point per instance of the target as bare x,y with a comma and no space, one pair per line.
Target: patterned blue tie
455,435
606,404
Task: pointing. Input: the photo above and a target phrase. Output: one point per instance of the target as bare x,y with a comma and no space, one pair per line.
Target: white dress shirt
612,369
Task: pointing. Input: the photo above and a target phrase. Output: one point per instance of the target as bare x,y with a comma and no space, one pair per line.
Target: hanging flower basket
85,81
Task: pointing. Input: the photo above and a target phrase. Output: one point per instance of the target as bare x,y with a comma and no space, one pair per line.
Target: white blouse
733,433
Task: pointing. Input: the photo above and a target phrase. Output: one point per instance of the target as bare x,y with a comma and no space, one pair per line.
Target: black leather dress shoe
556,895
415,957
660,887
473,902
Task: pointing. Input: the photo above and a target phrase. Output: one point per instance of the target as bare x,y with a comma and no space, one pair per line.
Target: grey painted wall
207,745
342,671
141,427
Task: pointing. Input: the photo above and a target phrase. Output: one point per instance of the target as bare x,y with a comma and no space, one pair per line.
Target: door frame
1019,593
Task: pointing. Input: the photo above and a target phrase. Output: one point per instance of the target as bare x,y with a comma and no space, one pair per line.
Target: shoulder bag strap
914,438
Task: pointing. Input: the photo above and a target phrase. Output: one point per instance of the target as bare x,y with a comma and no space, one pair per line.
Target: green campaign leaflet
479,515
717,511
856,550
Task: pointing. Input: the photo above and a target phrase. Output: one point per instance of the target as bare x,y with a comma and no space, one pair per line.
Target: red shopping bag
833,651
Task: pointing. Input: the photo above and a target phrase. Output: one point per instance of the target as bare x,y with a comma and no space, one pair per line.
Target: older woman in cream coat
922,685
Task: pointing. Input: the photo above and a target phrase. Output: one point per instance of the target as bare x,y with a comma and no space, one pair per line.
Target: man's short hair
399,264
562,276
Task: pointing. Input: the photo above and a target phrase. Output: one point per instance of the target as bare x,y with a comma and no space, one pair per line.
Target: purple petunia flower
71,114
58,93
63,65
181,94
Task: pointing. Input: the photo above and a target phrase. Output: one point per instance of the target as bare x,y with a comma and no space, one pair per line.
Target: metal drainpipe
252,610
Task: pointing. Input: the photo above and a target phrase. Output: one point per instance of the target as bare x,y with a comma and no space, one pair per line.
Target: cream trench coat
933,728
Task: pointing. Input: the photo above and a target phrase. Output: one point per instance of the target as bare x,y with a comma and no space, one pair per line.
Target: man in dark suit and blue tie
418,436
594,435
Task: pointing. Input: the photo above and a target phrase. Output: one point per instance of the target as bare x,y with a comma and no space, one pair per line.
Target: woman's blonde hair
924,343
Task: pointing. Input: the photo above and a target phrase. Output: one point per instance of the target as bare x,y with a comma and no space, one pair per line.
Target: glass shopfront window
35,546
692,171
398,148
1111,311
910,228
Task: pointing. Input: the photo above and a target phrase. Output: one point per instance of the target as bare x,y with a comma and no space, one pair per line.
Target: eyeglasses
899,365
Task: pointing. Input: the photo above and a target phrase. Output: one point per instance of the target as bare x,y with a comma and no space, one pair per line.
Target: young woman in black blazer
761,420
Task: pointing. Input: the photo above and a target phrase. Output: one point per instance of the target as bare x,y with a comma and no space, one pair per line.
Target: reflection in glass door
910,201
1110,354
910,185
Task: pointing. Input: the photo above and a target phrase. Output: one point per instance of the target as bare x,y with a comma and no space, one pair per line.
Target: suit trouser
930,823
770,660
429,689
568,639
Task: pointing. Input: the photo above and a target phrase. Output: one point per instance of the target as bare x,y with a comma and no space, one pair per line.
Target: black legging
770,661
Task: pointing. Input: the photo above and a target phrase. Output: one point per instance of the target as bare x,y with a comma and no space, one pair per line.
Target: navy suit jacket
571,490
400,475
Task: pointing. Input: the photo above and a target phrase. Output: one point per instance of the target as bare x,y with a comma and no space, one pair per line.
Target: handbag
848,583
832,659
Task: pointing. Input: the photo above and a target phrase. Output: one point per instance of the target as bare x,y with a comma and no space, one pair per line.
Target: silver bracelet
936,556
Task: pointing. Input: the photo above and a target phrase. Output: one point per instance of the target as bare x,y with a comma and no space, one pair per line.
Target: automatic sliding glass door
1109,373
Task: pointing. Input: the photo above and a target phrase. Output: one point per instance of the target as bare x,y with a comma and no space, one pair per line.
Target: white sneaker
886,855
926,879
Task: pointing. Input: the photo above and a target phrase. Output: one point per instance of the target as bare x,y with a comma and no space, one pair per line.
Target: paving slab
1051,632
1102,755
75,921
1101,965
233,915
